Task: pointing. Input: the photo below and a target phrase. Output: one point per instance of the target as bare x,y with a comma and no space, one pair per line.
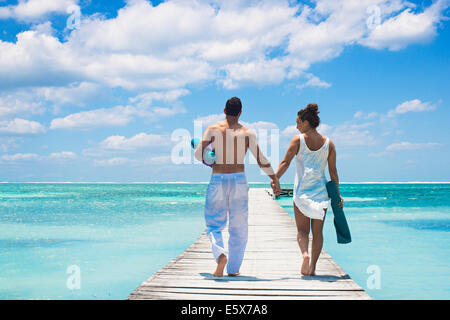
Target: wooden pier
271,267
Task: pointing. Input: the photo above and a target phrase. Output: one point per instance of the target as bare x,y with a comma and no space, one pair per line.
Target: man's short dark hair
233,106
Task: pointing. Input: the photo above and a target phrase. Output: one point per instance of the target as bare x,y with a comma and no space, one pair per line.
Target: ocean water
117,235
112,237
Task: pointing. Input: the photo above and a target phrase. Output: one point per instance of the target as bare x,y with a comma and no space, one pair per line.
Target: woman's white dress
310,192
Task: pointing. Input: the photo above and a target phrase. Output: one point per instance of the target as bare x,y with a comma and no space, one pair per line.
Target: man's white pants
227,195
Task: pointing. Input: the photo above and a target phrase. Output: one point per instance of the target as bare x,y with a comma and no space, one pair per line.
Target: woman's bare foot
305,265
233,274
220,266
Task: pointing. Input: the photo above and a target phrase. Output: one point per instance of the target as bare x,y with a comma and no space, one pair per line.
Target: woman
312,152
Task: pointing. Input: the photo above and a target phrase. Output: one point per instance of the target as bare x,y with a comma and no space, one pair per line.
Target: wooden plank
271,267
196,296
242,284
247,292
267,292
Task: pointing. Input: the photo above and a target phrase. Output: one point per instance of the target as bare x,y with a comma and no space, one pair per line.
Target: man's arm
263,162
207,139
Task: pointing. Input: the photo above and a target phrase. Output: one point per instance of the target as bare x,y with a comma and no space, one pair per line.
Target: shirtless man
227,193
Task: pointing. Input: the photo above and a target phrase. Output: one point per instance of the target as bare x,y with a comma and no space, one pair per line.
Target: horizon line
204,182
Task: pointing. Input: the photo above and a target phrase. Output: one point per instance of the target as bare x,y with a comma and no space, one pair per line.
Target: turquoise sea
116,235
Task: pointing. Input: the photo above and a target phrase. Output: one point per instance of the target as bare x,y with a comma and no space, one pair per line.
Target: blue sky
100,102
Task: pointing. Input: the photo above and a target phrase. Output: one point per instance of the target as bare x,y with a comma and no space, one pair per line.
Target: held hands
275,184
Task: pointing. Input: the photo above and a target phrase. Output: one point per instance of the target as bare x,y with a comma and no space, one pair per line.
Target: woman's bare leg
317,242
303,223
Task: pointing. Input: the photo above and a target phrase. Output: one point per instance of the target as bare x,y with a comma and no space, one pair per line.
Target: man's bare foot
233,274
312,271
220,266
305,265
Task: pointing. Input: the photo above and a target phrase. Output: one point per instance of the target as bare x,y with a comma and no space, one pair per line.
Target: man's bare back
230,141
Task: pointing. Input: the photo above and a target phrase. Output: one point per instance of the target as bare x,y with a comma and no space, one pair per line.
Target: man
228,189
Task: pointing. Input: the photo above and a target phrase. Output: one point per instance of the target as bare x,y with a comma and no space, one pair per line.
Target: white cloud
178,43
193,28
157,160
63,155
31,10
9,143
313,81
372,115
139,141
21,126
38,100
123,115
19,103
157,51
258,72
116,116
18,157
225,51
44,28
146,99
343,136
118,161
112,162
140,72
403,146
290,132
410,146
412,106
406,28
78,94
136,145
38,59
320,33
260,125
358,115
348,134
324,128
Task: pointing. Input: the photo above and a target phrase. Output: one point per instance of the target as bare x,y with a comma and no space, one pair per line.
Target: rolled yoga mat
340,223
209,157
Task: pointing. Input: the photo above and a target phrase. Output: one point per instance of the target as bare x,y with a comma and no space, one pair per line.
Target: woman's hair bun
312,107
310,113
